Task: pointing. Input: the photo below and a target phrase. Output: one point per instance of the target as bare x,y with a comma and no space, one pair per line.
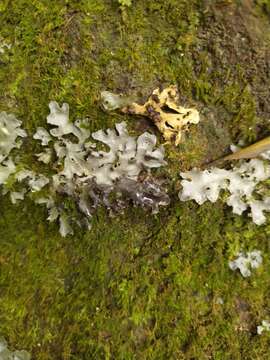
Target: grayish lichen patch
242,184
90,177
245,262
7,354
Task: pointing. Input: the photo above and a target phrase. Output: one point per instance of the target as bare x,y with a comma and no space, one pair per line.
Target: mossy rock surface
137,286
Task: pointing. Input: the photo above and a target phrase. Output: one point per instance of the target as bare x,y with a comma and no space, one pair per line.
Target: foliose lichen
7,354
89,176
241,182
246,261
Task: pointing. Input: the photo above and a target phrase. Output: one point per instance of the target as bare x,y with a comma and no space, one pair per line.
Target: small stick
248,152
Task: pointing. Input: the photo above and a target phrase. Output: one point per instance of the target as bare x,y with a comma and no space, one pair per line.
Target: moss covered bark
136,286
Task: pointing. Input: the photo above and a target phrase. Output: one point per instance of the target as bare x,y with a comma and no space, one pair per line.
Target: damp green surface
137,286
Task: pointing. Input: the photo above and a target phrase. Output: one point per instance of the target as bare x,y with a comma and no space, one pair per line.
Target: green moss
264,5
136,286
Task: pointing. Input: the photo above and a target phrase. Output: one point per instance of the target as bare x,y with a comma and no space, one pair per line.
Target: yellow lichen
163,109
